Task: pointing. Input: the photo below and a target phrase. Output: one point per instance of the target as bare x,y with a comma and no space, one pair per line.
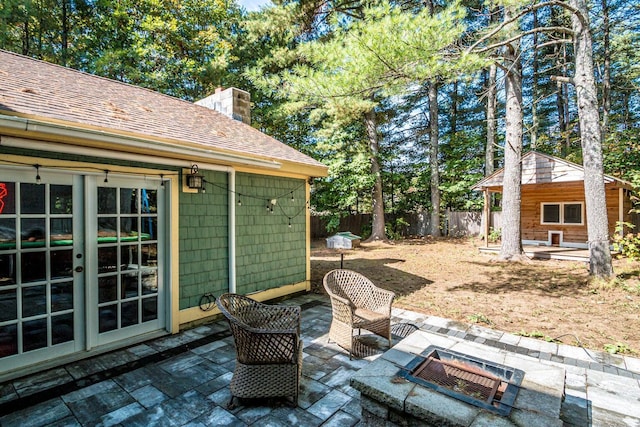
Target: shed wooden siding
533,195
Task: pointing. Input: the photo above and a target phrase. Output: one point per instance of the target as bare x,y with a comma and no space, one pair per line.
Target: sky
253,5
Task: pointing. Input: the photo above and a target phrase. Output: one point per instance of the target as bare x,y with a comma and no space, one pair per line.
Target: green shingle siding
204,240
270,254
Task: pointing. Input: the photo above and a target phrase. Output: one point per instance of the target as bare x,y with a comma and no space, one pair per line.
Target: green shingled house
122,208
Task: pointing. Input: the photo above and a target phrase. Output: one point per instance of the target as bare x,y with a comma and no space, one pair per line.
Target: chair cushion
363,316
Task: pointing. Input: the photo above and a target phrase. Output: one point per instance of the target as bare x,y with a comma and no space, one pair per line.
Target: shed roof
539,168
35,90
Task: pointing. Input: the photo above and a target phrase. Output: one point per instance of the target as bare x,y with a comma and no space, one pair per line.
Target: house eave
73,134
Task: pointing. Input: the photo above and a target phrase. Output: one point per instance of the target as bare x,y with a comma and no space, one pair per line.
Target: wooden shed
553,202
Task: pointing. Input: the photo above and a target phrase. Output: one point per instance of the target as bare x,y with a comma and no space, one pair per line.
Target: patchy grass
450,278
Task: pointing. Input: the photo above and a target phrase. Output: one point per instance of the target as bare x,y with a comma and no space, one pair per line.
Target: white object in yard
343,240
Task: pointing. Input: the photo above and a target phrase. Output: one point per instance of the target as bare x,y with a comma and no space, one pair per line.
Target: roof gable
42,91
539,168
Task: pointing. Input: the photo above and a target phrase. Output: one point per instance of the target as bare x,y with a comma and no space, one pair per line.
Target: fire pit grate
475,381
459,378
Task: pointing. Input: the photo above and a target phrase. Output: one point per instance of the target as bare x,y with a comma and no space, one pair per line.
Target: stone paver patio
183,379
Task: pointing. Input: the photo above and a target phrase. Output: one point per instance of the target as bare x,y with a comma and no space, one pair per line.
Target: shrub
628,244
394,230
495,234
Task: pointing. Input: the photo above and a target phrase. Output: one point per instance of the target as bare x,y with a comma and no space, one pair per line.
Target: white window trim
561,204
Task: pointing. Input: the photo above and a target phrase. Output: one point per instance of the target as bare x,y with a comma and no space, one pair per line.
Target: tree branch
552,42
526,33
496,30
562,79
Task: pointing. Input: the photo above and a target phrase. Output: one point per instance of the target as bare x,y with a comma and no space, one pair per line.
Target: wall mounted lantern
194,181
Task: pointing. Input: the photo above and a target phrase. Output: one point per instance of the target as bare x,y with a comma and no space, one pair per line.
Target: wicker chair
357,304
268,348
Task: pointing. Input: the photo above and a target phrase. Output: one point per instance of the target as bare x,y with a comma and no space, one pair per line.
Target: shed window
551,214
562,213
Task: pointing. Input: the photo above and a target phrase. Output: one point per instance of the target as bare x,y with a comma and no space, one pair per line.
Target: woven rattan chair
357,304
268,348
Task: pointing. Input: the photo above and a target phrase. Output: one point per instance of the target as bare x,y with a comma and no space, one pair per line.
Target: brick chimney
231,102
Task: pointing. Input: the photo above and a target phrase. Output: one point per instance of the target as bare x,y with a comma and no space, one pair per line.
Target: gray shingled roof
540,168
44,91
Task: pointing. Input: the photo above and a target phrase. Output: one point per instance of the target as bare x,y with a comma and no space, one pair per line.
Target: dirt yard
549,300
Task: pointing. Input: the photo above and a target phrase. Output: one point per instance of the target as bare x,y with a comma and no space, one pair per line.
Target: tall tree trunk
626,102
377,201
565,98
489,157
26,36
492,102
560,101
433,159
511,248
606,72
453,114
534,85
560,55
590,136
65,33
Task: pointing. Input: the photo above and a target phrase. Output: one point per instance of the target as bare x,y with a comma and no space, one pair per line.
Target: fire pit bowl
472,380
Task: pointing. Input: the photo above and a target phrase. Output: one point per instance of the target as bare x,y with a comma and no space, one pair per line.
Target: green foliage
495,234
178,48
622,155
628,244
480,318
535,334
462,167
618,348
377,57
395,229
333,224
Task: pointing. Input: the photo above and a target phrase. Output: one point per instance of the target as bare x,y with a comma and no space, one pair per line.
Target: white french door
80,263
41,267
129,233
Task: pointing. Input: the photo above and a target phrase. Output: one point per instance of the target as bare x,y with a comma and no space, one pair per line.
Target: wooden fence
456,224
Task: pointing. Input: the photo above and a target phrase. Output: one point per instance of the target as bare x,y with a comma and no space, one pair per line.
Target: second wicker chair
268,348
357,304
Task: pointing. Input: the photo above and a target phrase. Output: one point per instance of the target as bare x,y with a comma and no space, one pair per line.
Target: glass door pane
37,292
128,290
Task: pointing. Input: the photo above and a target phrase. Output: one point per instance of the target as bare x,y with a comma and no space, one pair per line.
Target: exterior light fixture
194,181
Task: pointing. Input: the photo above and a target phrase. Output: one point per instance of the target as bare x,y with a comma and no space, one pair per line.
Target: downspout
232,231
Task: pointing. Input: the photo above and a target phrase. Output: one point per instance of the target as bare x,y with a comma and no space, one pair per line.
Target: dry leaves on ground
549,299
